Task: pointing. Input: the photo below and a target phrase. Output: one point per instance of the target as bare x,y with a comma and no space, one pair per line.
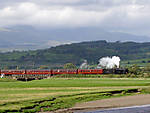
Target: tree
146,68
134,69
69,66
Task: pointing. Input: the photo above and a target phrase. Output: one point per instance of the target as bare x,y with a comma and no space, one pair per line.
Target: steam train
63,71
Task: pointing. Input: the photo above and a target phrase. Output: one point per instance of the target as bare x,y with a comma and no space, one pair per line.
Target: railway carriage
90,71
63,71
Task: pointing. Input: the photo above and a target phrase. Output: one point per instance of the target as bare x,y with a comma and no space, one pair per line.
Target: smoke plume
84,65
109,63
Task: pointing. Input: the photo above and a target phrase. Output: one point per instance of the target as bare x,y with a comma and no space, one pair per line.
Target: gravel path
125,101
141,99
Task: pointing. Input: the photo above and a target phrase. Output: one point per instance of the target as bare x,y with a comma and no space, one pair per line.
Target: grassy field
56,93
138,62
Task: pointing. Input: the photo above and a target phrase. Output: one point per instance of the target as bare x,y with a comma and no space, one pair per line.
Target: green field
139,62
56,93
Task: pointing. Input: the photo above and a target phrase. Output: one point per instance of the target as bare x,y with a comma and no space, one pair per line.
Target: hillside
76,53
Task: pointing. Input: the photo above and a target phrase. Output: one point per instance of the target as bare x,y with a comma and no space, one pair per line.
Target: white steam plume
109,63
84,65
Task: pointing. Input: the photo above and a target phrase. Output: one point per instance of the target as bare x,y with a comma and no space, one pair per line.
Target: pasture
57,93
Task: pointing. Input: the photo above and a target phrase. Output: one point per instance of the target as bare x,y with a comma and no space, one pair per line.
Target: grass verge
61,102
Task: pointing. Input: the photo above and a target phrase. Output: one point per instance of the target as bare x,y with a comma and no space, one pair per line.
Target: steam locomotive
63,71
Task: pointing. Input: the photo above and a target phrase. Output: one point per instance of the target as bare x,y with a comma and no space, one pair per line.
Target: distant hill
92,51
27,37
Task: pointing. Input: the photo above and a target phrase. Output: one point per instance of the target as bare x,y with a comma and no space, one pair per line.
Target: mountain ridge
28,38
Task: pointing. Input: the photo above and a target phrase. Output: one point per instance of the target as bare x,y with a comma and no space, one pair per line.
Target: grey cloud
119,15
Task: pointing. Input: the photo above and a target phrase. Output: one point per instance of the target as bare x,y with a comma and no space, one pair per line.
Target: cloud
32,14
123,15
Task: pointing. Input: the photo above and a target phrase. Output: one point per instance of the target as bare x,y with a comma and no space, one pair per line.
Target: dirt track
140,99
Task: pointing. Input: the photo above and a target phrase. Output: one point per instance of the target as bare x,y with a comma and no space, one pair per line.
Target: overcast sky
113,15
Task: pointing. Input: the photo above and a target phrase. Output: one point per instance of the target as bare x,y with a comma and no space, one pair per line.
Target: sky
131,16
